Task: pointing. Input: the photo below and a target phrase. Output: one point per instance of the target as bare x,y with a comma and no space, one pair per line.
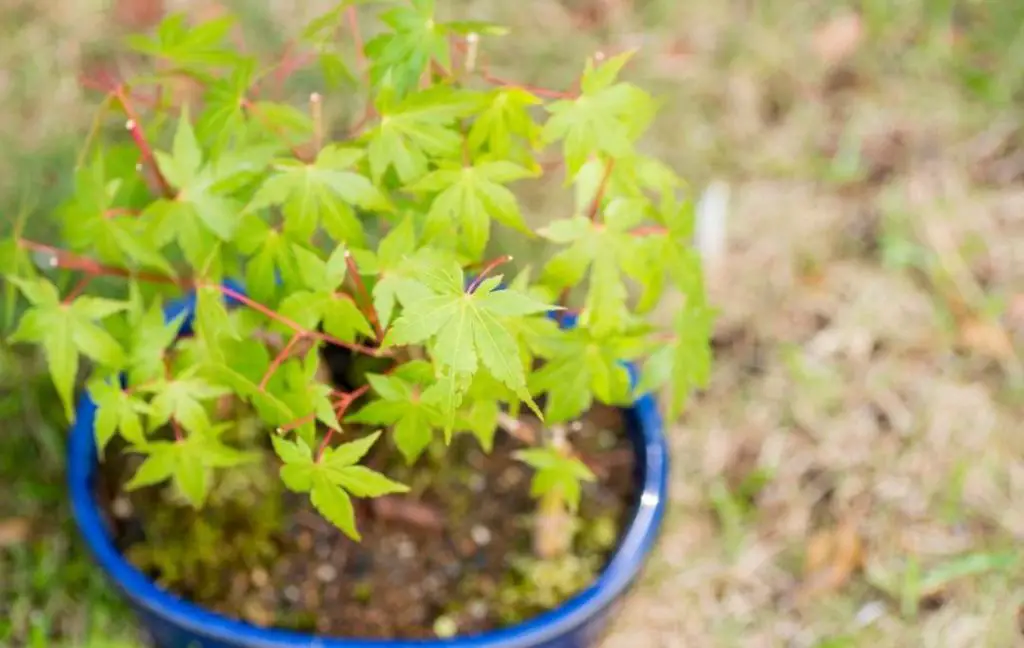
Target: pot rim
623,567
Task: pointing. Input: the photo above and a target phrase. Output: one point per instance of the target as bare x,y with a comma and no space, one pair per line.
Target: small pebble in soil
259,577
445,627
292,594
304,541
323,550
606,439
122,508
481,535
256,614
406,550
432,583
477,609
510,478
453,570
477,483
326,573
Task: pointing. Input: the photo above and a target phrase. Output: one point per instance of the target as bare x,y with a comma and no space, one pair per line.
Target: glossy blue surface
175,623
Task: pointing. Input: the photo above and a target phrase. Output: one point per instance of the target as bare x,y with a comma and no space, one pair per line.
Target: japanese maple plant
369,218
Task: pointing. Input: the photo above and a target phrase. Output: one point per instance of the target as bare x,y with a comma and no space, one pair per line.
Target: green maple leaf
150,335
183,400
401,405
65,331
223,114
579,367
392,264
400,57
556,475
321,194
321,303
464,330
188,463
334,479
605,119
117,411
271,409
192,47
213,322
606,250
270,258
417,129
684,363
200,215
90,225
467,198
507,114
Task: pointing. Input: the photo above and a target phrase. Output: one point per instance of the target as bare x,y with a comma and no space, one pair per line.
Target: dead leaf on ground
1015,312
833,556
14,531
986,338
839,38
138,14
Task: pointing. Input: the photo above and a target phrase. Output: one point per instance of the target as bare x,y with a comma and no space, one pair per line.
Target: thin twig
340,408
486,271
134,126
70,261
281,356
369,308
595,206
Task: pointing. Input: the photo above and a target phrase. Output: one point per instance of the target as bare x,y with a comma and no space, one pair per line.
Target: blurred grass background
854,476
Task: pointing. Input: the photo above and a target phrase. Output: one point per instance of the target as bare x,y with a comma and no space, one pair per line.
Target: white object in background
712,217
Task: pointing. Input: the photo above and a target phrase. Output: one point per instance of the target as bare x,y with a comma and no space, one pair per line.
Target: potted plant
319,411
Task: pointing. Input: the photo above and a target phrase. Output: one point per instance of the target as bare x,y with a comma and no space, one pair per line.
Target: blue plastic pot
176,623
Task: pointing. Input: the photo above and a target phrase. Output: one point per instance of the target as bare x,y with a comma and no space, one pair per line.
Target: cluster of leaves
376,242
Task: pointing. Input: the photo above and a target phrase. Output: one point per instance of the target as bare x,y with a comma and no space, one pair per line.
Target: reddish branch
78,288
649,230
368,308
486,271
540,92
120,211
70,261
357,37
282,355
339,409
252,110
485,74
134,126
595,206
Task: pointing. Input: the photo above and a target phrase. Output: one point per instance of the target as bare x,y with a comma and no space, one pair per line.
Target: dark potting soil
452,556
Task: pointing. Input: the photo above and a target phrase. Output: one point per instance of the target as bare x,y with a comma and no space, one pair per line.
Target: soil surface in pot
453,556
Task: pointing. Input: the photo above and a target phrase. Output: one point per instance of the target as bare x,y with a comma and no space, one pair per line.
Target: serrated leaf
468,198
557,475
415,130
160,463
579,366
399,57
605,250
334,504
292,452
192,477
363,482
413,419
320,194
462,330
605,120
683,362
349,453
